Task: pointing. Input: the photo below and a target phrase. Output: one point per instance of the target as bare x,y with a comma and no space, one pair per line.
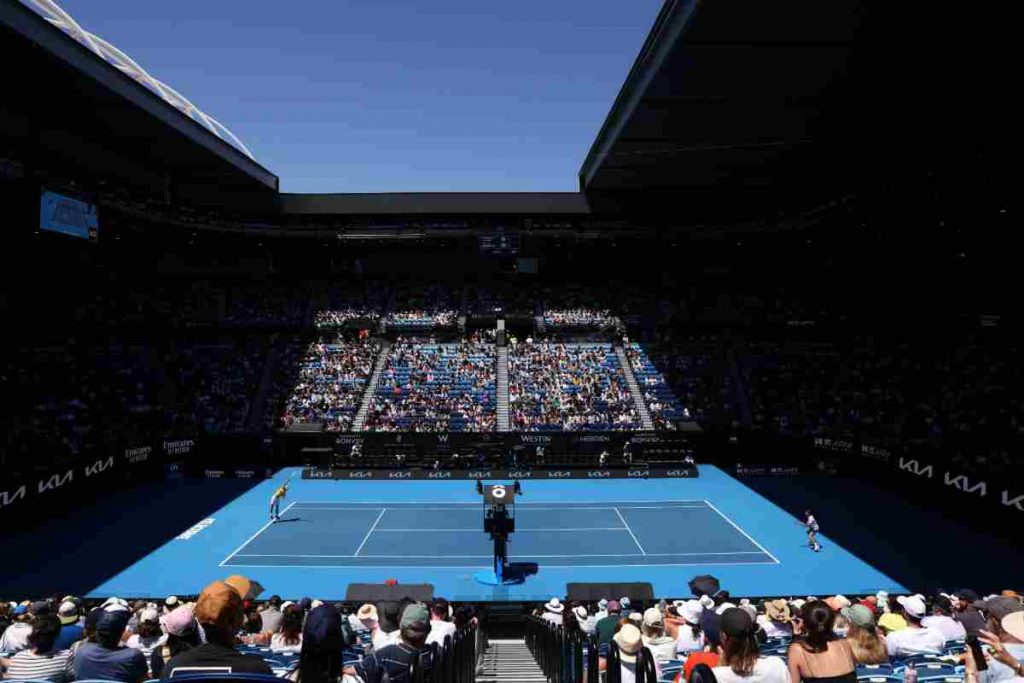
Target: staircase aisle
503,415
371,386
509,661
634,388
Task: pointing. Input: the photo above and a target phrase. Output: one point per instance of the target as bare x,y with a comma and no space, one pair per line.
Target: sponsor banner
767,470
417,474
237,472
138,455
178,447
998,493
63,480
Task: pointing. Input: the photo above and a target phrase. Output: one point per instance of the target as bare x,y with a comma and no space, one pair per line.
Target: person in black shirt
394,660
219,612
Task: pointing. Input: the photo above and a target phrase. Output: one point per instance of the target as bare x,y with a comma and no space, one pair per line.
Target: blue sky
392,95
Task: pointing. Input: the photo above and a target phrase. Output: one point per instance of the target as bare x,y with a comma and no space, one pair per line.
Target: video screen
68,216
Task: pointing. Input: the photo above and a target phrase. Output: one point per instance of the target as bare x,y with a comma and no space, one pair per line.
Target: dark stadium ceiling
733,95
67,105
734,110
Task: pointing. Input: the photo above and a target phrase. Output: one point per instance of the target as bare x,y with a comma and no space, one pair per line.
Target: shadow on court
95,539
924,542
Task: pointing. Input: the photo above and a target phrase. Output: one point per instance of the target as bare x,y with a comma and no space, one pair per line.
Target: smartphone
977,653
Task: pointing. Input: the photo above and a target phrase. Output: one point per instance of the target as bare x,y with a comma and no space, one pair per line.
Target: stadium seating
436,387
331,381
661,400
571,387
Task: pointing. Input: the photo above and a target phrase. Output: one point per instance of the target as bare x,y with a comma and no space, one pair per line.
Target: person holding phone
1005,657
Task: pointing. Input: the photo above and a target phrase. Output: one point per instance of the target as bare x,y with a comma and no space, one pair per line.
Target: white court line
525,557
253,537
626,524
520,506
748,536
367,537
476,528
478,566
477,503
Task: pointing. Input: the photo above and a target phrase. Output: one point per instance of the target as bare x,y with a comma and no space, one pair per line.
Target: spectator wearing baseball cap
70,630
393,661
741,660
149,635
652,630
1004,632
182,634
942,620
605,628
105,658
817,655
219,613
914,639
15,637
866,642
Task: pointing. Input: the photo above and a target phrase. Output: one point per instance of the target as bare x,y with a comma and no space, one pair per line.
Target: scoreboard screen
68,215
500,243
499,494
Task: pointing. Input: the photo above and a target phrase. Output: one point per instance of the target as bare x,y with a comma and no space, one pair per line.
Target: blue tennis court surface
430,534
663,531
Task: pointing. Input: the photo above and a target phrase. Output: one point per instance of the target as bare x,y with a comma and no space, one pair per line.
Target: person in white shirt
440,627
741,660
942,620
689,637
553,611
914,639
15,637
587,623
662,647
149,636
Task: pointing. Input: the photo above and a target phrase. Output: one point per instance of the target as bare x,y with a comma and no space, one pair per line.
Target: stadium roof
87,101
732,95
437,203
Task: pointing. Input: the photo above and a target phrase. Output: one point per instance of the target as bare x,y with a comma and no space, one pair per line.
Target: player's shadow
285,520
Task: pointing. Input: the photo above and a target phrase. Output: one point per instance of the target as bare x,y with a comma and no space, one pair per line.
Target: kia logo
559,475
360,475
399,475
525,474
480,475
440,475
599,474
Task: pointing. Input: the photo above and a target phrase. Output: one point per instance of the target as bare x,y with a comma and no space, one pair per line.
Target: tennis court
431,534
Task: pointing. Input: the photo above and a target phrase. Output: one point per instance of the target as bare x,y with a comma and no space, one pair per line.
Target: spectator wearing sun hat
1004,634
866,643
777,620
553,611
629,643
219,613
915,638
106,659
686,626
